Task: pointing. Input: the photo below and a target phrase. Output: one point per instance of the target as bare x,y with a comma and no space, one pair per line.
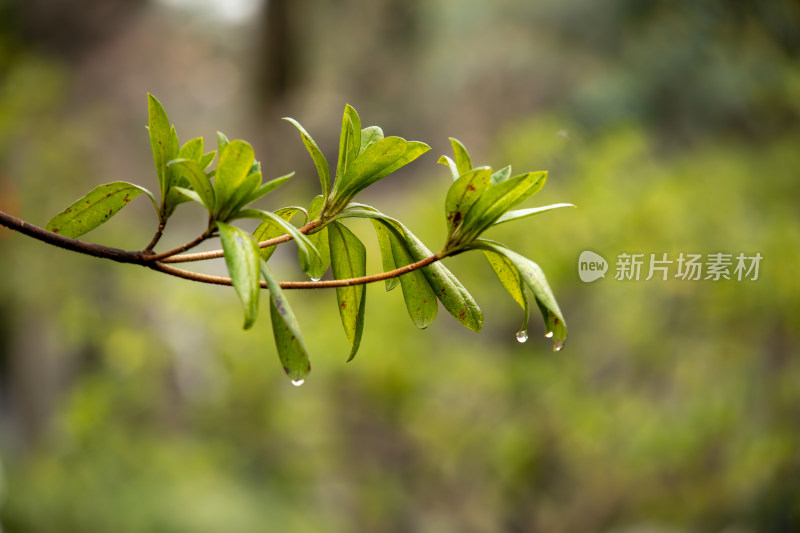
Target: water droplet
315,279
298,382
549,334
522,335
557,347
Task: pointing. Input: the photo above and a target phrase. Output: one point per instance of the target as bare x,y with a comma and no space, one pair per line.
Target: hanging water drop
557,347
522,336
298,382
549,334
315,279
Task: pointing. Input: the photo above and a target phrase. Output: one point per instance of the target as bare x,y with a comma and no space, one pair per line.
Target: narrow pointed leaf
222,141
536,281
370,135
288,337
162,141
195,176
349,140
522,213
305,248
268,229
349,260
501,175
206,159
385,245
463,162
453,295
463,193
193,150
179,195
268,187
241,195
319,264
510,279
95,208
449,163
241,257
418,294
233,168
316,154
498,199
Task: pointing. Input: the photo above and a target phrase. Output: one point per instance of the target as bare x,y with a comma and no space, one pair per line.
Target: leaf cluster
477,199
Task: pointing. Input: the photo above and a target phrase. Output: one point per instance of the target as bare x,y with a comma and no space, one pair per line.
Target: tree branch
151,260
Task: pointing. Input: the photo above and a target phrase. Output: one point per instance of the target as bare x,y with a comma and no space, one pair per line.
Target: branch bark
150,260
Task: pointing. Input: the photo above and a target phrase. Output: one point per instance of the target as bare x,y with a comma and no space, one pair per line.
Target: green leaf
268,229
498,199
377,161
349,140
305,248
453,295
288,337
449,163
267,188
222,141
163,142
385,245
418,294
319,265
463,193
193,150
522,213
349,260
95,208
241,257
206,160
501,175
370,135
235,161
534,278
510,279
241,195
316,154
195,176
463,162
179,195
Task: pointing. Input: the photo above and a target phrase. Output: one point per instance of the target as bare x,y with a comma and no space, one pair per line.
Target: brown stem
165,256
202,256
150,260
156,237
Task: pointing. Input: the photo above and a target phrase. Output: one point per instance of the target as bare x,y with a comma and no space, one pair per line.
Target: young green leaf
370,135
349,260
501,175
453,295
463,162
385,245
268,229
192,172
222,141
463,193
305,248
163,142
193,150
266,188
498,199
377,161
418,294
510,279
449,163
288,337
95,208
349,140
235,162
178,195
241,257
522,213
319,264
536,281
316,154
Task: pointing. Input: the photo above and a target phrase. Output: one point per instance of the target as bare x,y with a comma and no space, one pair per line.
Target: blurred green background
134,402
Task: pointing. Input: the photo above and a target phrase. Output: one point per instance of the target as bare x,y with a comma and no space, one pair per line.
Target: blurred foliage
673,407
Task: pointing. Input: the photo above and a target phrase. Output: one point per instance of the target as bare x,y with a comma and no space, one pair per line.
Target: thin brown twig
148,260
